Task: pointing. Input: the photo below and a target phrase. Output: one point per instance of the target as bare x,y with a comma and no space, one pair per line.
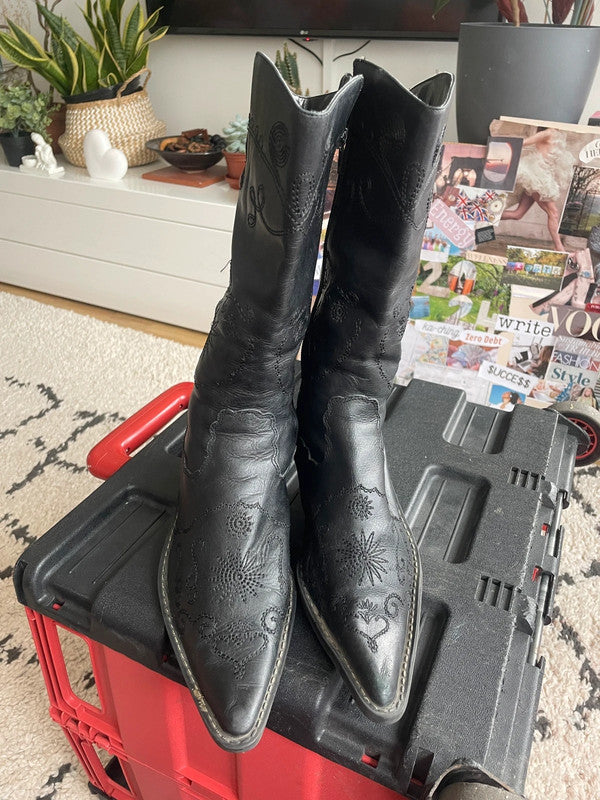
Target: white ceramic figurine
101,159
43,160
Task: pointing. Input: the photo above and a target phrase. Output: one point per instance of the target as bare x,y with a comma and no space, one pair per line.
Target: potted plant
235,134
23,111
287,64
540,71
81,70
106,69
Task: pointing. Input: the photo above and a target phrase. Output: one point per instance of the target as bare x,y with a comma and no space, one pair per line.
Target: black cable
308,50
351,53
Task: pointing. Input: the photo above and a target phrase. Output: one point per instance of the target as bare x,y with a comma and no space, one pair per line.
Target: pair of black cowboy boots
225,584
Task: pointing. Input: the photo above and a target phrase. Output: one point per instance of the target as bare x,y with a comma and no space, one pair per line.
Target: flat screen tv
382,19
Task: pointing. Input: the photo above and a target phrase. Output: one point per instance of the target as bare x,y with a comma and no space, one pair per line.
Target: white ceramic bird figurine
101,159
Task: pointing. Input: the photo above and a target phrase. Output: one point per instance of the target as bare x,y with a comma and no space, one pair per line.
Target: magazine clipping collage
506,304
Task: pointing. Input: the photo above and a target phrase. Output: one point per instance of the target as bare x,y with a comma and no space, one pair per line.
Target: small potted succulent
236,134
23,111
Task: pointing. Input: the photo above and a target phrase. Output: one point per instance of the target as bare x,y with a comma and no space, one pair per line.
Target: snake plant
72,65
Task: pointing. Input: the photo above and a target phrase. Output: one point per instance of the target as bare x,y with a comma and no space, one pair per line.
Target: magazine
574,365
556,198
532,344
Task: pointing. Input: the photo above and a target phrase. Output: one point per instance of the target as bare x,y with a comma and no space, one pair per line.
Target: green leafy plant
23,110
236,134
287,64
72,65
556,11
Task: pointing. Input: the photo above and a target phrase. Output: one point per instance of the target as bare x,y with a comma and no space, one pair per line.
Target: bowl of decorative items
192,150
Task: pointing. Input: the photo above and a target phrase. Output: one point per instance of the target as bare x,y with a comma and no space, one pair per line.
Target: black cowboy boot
225,586
360,576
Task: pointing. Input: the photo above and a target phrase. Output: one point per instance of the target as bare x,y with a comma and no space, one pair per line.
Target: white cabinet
152,249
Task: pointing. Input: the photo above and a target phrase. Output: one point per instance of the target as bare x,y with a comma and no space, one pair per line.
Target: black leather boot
225,585
360,576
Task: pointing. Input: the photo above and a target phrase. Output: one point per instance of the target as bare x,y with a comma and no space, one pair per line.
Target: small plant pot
235,166
15,147
57,127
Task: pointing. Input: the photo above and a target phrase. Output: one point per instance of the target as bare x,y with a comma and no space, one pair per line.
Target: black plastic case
483,491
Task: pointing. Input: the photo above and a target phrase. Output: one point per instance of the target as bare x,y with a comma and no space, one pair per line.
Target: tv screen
383,19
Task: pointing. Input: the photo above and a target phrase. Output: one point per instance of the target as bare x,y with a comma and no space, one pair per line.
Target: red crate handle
105,458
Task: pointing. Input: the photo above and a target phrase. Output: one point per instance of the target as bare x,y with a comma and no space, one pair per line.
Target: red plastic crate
150,723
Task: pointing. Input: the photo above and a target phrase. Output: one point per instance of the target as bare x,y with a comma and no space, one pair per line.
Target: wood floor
182,335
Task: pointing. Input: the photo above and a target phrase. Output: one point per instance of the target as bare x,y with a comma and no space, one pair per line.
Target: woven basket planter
129,122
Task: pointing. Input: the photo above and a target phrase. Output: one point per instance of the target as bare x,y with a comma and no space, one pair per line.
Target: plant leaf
560,10
97,34
158,34
11,49
72,71
151,21
113,37
438,5
45,67
139,62
96,24
59,27
108,66
88,67
108,80
58,53
115,9
130,32
26,41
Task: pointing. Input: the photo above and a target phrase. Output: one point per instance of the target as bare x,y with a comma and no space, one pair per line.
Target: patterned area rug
65,381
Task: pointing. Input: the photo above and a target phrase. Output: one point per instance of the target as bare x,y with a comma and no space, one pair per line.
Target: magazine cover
555,202
574,365
532,344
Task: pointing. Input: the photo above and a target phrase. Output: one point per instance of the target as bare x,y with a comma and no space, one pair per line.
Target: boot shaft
290,147
375,232
386,180
262,319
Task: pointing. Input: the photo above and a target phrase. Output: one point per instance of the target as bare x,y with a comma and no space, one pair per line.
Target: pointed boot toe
361,586
228,614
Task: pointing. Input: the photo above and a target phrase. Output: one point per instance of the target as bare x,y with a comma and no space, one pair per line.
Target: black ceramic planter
537,71
106,93
15,147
